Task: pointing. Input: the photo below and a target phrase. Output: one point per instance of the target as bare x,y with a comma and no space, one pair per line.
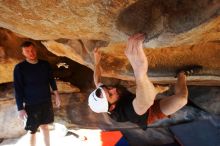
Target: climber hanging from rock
142,108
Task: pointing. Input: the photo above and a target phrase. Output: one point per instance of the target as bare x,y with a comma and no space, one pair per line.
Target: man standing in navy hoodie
32,81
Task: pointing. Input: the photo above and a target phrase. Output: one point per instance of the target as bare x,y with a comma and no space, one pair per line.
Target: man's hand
57,99
136,56
22,114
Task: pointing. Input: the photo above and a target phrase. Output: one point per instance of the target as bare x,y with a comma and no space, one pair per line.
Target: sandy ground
61,136
57,139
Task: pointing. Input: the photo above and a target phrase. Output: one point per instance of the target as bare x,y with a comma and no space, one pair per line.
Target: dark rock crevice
76,74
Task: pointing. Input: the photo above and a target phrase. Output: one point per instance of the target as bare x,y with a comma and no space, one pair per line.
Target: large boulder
163,62
11,125
177,34
166,23
46,20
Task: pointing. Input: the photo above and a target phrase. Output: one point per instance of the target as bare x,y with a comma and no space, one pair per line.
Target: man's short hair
123,92
26,44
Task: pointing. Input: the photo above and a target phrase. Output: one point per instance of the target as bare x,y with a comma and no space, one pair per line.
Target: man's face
111,94
29,52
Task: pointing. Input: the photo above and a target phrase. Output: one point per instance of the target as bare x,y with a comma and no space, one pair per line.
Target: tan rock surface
62,19
167,23
6,70
181,33
11,125
163,62
66,87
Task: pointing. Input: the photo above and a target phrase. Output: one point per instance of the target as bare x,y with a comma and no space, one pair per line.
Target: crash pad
197,133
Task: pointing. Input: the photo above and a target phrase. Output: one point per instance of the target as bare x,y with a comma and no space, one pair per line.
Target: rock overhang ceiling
178,32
